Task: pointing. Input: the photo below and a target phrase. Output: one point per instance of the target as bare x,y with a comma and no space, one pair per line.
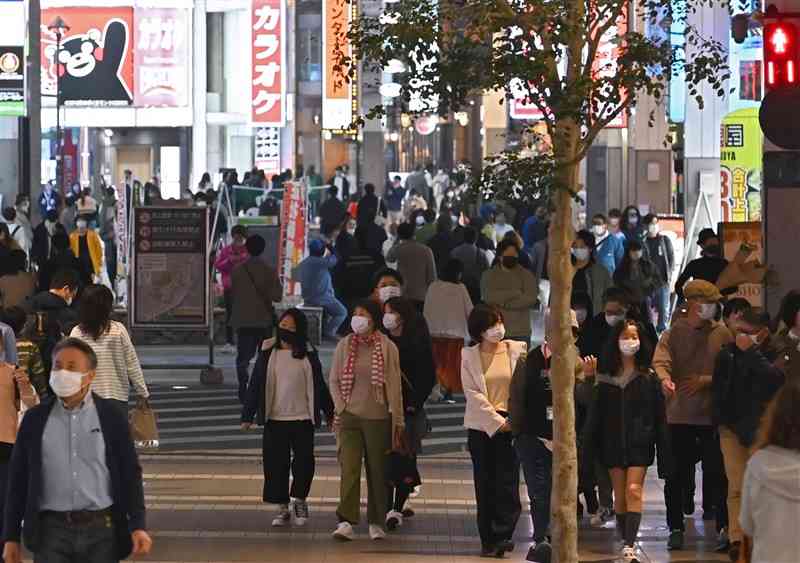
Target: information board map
170,282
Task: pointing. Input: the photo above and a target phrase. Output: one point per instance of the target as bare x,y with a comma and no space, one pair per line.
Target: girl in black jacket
290,415
409,331
627,420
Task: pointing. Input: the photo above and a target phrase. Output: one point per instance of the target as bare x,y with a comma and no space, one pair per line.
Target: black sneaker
675,541
488,550
735,551
540,553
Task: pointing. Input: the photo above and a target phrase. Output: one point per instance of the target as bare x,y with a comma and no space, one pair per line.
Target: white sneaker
416,492
376,532
343,531
394,520
229,349
629,555
300,512
283,516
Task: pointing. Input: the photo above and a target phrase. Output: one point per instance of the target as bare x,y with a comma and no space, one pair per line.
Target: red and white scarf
347,380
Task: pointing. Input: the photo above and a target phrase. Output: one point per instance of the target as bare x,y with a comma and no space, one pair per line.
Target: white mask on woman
495,334
391,321
389,291
360,325
629,347
581,254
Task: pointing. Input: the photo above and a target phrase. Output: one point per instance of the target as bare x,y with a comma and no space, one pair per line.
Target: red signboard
268,62
95,64
162,57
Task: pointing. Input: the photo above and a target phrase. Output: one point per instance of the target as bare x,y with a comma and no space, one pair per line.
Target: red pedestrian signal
780,54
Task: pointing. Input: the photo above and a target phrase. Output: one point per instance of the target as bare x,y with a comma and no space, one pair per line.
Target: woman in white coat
486,370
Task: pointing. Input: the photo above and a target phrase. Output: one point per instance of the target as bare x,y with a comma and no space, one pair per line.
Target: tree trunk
562,368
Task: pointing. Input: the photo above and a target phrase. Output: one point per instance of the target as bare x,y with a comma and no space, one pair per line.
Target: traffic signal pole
781,125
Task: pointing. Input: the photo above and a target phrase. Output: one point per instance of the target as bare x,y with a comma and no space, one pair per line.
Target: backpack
45,331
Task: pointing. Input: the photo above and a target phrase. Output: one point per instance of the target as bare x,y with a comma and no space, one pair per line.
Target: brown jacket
685,352
10,404
255,287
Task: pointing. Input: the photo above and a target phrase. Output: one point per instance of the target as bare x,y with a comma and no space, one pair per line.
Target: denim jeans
537,466
64,543
661,302
334,314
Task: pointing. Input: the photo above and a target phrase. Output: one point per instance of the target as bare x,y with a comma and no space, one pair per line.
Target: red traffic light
780,54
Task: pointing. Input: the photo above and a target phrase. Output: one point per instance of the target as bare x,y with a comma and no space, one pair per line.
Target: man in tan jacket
684,361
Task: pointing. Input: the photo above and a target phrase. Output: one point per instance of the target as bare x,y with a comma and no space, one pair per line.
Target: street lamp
59,27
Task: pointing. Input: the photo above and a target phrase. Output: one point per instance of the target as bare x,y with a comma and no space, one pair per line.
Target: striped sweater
117,364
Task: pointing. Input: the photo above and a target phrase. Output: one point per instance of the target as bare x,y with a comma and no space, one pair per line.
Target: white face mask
652,229
390,321
386,293
614,320
629,347
81,225
581,254
420,220
495,334
599,230
66,383
360,325
581,314
707,311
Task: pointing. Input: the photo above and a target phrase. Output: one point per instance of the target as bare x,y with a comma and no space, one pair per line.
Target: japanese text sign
268,62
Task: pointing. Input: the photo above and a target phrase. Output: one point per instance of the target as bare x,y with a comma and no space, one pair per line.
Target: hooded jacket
771,505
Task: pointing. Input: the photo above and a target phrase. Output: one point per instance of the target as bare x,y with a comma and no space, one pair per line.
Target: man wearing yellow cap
684,361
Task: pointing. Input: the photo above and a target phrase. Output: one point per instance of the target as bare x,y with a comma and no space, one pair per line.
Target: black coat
628,422
416,363
254,406
742,386
25,480
442,244
531,397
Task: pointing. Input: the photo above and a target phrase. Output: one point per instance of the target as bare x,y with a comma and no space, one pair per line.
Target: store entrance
138,159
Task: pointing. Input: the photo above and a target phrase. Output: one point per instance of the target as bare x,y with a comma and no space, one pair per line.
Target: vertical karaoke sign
268,41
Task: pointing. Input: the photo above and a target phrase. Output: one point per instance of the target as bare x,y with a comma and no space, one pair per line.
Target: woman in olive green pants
365,383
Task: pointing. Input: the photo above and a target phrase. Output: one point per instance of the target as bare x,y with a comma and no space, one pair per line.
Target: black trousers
227,297
248,340
287,445
686,439
495,466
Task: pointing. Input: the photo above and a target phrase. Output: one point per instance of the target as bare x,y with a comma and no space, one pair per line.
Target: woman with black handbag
409,331
286,395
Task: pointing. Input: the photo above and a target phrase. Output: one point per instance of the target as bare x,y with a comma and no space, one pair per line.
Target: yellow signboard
741,156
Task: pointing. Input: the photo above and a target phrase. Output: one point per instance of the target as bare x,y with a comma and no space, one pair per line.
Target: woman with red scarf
366,387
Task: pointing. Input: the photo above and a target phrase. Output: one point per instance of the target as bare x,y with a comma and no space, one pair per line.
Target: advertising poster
161,53
268,62
12,58
337,101
293,234
741,142
733,236
95,64
170,268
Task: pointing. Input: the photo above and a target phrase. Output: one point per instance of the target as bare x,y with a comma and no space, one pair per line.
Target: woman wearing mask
637,275
286,395
771,495
627,425
227,260
486,371
447,309
631,225
366,388
409,333
512,289
591,277
117,364
86,246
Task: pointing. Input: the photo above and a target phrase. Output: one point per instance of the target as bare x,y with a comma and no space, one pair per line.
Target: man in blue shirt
314,274
534,228
75,483
609,249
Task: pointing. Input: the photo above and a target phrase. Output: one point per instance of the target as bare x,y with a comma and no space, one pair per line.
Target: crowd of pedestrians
424,298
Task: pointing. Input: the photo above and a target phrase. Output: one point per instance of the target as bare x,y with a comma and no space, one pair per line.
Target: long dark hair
611,358
94,310
781,423
623,271
407,311
300,346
